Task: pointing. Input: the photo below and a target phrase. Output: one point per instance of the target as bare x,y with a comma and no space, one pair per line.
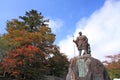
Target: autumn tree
58,63
4,48
113,65
31,46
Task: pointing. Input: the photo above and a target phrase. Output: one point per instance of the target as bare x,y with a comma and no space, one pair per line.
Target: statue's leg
85,51
80,52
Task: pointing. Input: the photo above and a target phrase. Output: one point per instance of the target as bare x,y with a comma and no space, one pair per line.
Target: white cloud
102,29
55,24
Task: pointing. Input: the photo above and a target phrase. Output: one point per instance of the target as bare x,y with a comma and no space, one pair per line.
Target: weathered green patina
81,68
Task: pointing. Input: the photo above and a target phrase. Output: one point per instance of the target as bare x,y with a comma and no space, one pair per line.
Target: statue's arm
74,41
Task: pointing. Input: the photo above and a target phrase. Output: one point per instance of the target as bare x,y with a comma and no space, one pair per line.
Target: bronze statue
82,44
85,67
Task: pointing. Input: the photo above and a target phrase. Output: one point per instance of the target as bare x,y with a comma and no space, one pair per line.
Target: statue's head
80,33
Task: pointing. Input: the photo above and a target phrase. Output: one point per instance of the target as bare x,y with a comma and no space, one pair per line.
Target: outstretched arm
74,41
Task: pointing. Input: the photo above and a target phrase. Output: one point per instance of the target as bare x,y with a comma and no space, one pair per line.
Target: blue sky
97,19
67,11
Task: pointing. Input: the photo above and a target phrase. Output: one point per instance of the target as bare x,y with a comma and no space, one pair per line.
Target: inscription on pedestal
81,68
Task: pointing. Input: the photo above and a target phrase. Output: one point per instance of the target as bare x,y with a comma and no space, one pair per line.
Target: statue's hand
74,41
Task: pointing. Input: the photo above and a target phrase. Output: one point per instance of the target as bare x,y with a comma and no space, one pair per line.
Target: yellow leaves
44,28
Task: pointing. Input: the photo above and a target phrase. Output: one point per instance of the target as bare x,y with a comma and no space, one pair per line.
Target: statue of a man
82,44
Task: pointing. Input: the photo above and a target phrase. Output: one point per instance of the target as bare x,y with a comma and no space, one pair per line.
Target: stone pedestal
86,68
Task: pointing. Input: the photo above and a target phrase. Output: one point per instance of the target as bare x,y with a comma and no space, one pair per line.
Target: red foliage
17,58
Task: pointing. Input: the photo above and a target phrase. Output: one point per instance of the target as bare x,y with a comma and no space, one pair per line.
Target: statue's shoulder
84,36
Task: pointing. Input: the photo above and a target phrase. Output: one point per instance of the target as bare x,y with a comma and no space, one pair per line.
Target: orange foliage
17,58
114,63
26,44
18,39
20,63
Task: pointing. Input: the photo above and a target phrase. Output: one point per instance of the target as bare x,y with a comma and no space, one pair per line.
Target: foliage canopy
113,65
29,44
